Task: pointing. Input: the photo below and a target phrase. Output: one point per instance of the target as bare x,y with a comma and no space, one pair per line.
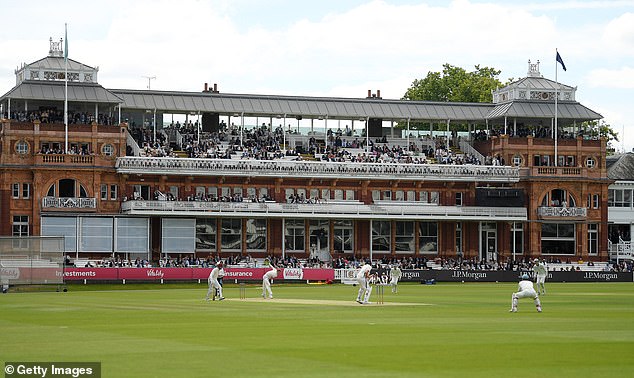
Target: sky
334,48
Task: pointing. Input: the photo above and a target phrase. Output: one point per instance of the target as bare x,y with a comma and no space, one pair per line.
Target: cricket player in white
541,271
214,285
395,275
525,290
266,282
365,289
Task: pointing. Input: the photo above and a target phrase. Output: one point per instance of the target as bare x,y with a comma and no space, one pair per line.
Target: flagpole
556,96
65,89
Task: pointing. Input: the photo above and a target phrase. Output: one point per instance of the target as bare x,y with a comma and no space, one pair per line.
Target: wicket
243,290
379,293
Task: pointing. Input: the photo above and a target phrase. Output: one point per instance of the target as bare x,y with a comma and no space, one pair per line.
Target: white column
367,135
154,123
283,238
370,241
407,134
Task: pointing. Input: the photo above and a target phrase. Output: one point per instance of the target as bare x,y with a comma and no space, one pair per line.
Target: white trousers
266,287
214,285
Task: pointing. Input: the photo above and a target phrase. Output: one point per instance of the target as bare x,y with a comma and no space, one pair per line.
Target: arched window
559,198
67,188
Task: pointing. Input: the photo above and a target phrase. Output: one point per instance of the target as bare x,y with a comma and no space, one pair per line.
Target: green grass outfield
443,330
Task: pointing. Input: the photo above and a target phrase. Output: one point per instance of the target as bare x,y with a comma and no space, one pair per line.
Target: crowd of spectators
53,115
266,143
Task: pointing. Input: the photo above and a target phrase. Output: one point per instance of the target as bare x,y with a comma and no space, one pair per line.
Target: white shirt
540,269
525,285
271,274
221,273
214,274
366,268
395,272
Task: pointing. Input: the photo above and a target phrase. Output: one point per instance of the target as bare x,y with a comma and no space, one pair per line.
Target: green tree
455,84
601,129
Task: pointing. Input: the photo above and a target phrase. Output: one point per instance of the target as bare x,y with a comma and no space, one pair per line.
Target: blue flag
558,58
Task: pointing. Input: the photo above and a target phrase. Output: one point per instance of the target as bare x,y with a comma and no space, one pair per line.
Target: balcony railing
562,212
555,171
336,209
315,169
65,159
69,203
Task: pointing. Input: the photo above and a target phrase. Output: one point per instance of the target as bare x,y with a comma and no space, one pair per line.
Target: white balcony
562,212
315,169
330,210
69,203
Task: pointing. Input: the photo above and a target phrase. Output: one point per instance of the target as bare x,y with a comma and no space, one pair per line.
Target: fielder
214,285
541,271
266,282
395,275
365,289
525,290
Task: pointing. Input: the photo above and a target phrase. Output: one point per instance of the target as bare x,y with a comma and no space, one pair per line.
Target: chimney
369,93
378,93
206,88
215,88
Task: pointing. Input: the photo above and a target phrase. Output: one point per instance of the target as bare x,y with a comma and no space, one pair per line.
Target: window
104,192
517,160
294,234
595,201
325,194
381,236
411,195
434,198
231,234
593,240
428,237
590,162
314,193
570,161
200,192
376,195
559,198
459,238
404,242
558,239
20,225
206,234
350,195
517,238
619,198
256,234
15,190
423,197
458,199
338,194
114,192
26,190
21,147
107,149
343,236
399,196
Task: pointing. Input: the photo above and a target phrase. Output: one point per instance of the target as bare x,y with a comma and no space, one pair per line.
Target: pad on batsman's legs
368,292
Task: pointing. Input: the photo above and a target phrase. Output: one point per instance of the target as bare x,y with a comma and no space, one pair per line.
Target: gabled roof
333,108
54,91
621,167
537,83
56,63
533,109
